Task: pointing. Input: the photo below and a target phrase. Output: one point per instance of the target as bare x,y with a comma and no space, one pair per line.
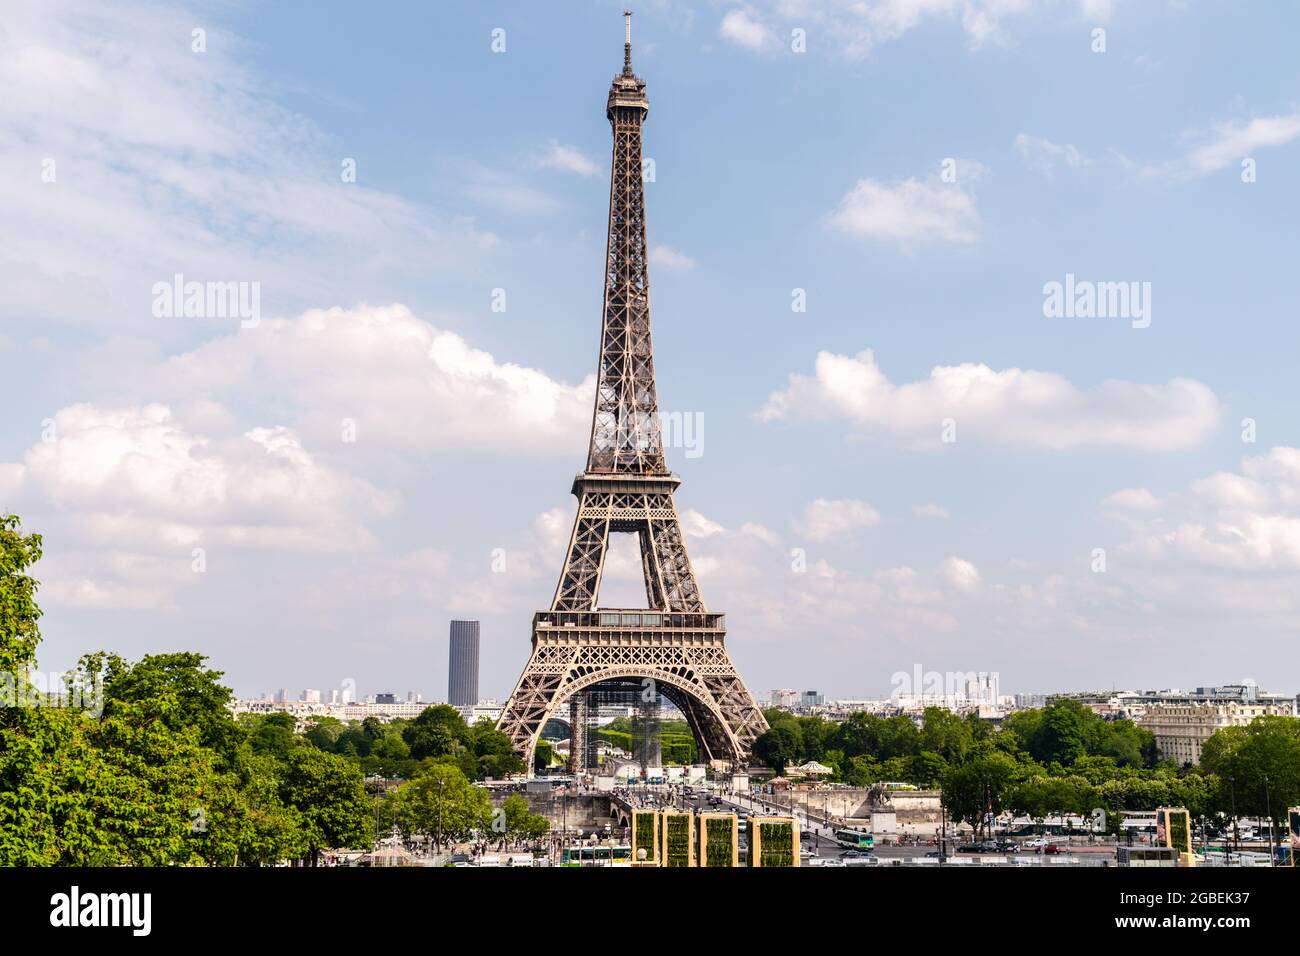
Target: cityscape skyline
991,527
771,696
254,479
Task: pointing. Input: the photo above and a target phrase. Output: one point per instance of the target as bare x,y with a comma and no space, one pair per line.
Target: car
1052,849
970,848
1006,846
851,855
1035,844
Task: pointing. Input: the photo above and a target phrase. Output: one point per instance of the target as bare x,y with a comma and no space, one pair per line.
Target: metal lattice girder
627,487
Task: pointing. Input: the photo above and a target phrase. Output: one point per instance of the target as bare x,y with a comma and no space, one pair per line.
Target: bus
596,856
856,839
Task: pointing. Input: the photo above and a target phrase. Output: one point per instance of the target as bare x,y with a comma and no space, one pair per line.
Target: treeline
1059,759
396,748
865,748
165,775
151,768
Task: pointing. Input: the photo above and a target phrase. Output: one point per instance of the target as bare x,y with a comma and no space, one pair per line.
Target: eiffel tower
676,647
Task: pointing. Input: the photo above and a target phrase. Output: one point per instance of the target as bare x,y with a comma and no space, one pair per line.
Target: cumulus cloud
930,511
856,28
669,258
1011,406
960,574
1044,156
744,29
1226,144
568,159
909,212
138,476
130,493
404,384
823,520
1248,520
1132,499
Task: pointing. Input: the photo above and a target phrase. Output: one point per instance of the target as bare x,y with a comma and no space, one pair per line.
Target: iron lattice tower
675,648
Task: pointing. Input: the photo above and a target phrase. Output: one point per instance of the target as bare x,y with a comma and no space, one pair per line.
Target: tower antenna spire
627,42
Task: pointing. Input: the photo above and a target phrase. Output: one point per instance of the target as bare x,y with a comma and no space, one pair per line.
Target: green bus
856,839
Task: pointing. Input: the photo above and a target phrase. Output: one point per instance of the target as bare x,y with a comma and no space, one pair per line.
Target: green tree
440,804
439,731
323,732
946,735
778,746
271,733
495,752
1257,766
390,746
980,787
862,771
247,821
199,699
927,768
118,790
19,613
514,821
329,794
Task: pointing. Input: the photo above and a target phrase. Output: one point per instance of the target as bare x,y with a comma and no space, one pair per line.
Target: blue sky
327,560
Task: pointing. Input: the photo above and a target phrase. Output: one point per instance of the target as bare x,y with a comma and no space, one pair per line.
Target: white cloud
569,159
669,258
114,579
126,495
1011,407
930,511
512,196
1226,144
405,383
823,520
1238,521
960,574
742,28
136,475
855,28
1043,156
1132,499
909,212
696,525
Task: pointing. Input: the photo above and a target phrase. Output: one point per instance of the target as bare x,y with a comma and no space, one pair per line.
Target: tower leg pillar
578,733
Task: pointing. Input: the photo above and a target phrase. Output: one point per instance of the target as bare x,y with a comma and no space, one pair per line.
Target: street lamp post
943,828
440,783
1268,807
1236,834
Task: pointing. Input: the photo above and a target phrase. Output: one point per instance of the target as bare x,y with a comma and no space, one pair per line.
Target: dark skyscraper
462,664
